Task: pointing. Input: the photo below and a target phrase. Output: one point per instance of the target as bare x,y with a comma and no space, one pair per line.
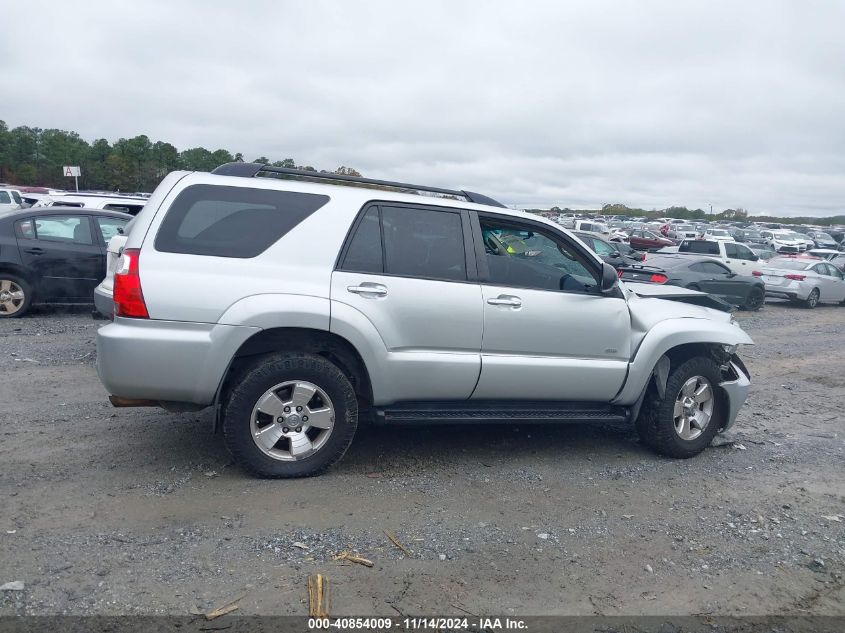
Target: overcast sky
734,104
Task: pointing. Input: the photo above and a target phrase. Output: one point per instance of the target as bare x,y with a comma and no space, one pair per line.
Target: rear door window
423,243
5,198
70,229
236,222
731,250
364,254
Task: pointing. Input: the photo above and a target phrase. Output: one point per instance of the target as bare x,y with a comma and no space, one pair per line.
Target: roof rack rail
251,170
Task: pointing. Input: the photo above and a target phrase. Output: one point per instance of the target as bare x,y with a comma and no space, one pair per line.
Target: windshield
718,232
824,236
753,234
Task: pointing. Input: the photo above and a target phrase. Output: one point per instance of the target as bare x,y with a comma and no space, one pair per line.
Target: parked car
130,204
53,255
807,241
822,240
718,235
823,253
606,250
749,236
291,306
803,279
700,273
10,199
680,232
644,240
783,241
763,252
738,257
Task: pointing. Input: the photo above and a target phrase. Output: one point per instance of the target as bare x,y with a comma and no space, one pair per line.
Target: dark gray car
700,273
617,254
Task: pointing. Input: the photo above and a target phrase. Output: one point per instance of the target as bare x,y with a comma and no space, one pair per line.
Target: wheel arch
330,346
677,340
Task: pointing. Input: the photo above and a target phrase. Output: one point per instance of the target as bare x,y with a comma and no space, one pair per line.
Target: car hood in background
683,295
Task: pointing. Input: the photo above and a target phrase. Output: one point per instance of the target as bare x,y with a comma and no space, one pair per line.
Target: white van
127,204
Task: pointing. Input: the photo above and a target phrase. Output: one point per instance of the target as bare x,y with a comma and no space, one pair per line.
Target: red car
648,241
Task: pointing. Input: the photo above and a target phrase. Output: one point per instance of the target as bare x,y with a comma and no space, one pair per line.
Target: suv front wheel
290,415
687,419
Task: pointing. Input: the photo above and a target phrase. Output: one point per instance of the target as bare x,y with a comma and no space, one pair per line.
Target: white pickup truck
738,257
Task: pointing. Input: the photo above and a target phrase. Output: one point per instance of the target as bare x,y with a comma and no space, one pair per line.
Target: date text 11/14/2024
376,624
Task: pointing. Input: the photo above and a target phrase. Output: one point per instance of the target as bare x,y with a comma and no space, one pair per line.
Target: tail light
657,278
757,273
619,273
128,298
796,277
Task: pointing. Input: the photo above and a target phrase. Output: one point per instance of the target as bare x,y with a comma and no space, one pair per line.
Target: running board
486,412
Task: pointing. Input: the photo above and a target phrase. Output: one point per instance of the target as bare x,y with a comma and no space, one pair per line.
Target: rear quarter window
236,222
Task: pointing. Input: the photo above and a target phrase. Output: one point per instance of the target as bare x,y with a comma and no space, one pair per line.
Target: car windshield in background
718,232
788,263
753,234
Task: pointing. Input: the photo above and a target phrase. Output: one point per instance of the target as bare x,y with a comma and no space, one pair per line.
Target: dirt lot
141,511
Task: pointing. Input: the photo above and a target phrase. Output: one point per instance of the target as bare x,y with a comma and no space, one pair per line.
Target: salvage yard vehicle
700,273
645,240
719,235
783,241
53,255
738,257
294,304
10,199
608,251
130,204
808,280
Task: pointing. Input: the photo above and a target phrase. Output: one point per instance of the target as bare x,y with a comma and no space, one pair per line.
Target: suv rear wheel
685,422
290,415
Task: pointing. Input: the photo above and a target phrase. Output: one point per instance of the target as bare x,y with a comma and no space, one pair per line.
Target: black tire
755,299
656,425
812,299
19,309
263,375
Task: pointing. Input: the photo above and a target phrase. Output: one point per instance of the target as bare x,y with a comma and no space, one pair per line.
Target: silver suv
297,303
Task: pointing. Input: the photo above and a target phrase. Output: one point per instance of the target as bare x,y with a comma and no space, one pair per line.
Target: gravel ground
108,511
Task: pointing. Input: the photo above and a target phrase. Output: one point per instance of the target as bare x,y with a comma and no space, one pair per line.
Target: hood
681,302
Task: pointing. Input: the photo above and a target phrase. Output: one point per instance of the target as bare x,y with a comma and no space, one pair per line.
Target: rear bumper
175,361
736,390
103,302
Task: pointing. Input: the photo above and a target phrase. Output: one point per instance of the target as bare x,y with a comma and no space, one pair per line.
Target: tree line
33,156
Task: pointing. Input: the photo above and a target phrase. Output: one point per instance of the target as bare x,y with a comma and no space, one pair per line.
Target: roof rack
251,170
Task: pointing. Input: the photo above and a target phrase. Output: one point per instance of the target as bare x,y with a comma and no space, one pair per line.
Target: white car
783,241
718,235
10,199
803,279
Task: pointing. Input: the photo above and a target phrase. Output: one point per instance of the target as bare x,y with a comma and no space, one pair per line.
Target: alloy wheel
292,420
693,408
12,297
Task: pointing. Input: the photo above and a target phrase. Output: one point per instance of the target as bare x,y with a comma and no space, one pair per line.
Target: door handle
368,289
34,251
505,300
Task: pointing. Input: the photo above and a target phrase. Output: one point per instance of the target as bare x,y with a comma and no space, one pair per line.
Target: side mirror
616,254
609,277
755,258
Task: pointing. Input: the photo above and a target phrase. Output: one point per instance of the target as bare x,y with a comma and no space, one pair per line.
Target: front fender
667,335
